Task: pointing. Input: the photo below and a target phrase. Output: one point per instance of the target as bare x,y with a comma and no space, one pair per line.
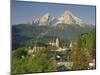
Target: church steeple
57,42
70,44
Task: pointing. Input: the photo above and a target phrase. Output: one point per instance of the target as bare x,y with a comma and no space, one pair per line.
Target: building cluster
34,49
55,48
54,45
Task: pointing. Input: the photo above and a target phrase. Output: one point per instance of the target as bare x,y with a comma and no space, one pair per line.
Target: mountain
24,32
44,20
67,27
67,18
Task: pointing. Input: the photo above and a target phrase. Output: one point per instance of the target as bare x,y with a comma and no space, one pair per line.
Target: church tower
71,45
57,42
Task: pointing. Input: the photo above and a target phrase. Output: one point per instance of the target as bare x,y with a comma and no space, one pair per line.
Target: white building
54,43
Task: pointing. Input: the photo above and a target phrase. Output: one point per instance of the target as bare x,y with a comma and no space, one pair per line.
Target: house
34,49
61,49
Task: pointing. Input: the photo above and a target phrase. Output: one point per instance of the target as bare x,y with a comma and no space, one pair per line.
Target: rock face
78,20
53,21
68,18
44,20
36,21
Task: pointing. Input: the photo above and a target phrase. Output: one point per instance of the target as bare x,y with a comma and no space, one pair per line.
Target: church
54,43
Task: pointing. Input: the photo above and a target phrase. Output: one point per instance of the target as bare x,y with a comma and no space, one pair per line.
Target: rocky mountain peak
44,20
67,18
67,12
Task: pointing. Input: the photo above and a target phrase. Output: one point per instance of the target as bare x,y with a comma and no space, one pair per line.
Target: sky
22,12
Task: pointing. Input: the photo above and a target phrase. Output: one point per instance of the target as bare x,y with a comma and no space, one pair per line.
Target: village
62,55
